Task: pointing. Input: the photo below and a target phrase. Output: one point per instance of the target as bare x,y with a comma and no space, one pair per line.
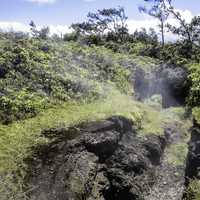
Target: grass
193,191
177,153
17,139
155,119
196,114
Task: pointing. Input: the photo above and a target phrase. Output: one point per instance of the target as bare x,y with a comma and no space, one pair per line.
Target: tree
159,11
149,37
112,21
33,29
84,28
153,36
189,32
43,33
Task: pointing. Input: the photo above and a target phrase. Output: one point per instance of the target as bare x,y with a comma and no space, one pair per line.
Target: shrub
193,191
19,105
194,94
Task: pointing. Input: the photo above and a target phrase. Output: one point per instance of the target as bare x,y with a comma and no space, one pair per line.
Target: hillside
117,119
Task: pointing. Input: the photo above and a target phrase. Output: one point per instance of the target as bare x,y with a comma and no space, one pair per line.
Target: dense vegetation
36,74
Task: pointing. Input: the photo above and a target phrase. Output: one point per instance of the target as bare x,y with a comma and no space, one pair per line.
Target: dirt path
170,178
169,184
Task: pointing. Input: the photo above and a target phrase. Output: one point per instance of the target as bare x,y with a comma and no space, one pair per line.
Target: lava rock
105,161
193,157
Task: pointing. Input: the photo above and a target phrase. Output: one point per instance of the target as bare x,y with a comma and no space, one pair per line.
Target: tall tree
147,37
43,33
112,20
190,32
33,29
158,10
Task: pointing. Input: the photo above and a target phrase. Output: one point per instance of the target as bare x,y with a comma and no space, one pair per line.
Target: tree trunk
162,33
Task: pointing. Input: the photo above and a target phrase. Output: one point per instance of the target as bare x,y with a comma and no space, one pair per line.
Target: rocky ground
105,161
108,160
170,178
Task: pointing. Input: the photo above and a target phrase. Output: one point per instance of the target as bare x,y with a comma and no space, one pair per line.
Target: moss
154,121
193,191
177,152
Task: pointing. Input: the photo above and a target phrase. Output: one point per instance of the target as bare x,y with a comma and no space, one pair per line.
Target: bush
194,94
20,105
71,37
193,191
54,72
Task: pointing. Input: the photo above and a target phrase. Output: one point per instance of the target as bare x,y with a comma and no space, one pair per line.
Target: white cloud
42,1
147,22
17,26
150,22
59,29
14,26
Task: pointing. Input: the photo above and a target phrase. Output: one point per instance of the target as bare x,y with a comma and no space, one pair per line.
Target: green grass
155,119
17,138
193,191
196,114
177,153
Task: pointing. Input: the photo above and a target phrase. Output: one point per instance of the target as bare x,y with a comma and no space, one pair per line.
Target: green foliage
177,153
174,53
106,23
54,72
18,138
71,36
20,105
196,114
193,191
194,76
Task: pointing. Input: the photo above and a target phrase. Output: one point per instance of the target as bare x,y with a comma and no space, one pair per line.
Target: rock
104,145
83,171
176,78
3,71
175,85
155,146
193,157
105,161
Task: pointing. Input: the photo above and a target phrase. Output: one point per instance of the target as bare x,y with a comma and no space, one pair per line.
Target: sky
59,14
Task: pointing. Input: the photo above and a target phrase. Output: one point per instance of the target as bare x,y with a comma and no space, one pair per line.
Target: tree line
109,27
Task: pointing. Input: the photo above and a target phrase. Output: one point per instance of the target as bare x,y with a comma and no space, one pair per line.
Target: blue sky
68,11
18,13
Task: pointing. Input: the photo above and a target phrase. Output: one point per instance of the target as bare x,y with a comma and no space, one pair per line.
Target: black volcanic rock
105,161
